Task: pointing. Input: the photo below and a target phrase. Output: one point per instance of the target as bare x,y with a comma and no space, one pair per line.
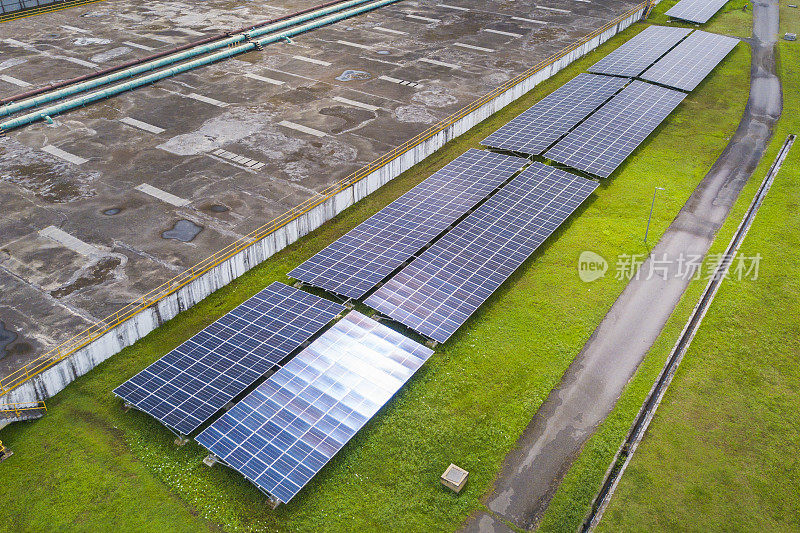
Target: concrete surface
306,114
590,388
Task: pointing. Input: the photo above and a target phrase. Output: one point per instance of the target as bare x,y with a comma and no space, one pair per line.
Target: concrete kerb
54,379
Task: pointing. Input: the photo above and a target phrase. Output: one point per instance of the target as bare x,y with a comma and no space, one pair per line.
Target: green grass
88,464
731,20
721,453
583,480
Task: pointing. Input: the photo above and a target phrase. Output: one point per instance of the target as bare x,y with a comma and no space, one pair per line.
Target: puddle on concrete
352,117
183,230
6,338
219,208
100,273
384,52
350,75
112,211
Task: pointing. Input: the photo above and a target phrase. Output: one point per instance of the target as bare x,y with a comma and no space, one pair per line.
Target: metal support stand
182,440
210,460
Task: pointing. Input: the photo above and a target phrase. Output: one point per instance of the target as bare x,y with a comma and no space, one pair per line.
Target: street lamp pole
650,217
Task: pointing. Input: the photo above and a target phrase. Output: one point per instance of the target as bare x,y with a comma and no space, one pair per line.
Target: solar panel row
359,260
439,290
543,124
290,426
194,381
699,11
601,143
686,65
633,57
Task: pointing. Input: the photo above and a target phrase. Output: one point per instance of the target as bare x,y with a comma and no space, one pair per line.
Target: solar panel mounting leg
432,344
182,440
210,460
126,406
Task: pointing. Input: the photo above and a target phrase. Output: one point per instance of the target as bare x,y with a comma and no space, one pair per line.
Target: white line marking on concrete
398,81
142,125
388,30
506,33
68,241
553,9
205,99
424,19
159,38
438,63
354,103
14,81
188,31
66,156
79,62
73,28
584,1
472,47
139,46
164,196
312,60
355,45
533,21
238,159
459,8
264,79
301,128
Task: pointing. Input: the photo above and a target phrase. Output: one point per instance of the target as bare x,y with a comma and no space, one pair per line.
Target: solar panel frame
633,57
194,381
688,64
603,142
534,130
698,11
284,432
362,258
438,291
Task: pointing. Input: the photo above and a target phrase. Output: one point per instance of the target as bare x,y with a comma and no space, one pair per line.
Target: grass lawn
89,466
723,479
731,20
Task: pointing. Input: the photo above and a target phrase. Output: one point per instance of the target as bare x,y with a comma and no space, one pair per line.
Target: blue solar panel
437,292
191,383
290,426
643,50
363,257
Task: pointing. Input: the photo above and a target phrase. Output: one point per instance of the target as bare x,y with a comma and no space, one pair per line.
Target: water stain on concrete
183,230
99,273
219,208
6,338
112,211
350,75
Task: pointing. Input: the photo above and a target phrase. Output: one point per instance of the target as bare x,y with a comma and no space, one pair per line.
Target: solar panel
191,383
290,426
439,290
686,65
601,143
359,260
633,57
544,123
699,11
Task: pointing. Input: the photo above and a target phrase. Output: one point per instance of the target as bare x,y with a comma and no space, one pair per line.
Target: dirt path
590,388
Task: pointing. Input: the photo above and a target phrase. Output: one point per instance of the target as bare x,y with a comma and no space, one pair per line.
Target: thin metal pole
650,217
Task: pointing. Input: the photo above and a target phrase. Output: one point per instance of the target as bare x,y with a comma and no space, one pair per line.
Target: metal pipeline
174,58
184,67
140,60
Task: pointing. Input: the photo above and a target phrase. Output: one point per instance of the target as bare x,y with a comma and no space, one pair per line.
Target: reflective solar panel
290,426
633,57
699,11
686,65
439,290
544,123
601,144
363,257
191,383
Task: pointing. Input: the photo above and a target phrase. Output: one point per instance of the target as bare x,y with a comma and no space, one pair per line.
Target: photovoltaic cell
437,292
686,65
544,123
699,11
191,383
601,143
633,57
289,427
359,260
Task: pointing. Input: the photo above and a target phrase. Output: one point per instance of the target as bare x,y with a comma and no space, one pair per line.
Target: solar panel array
359,260
699,11
686,65
439,290
608,137
290,426
633,57
191,383
544,123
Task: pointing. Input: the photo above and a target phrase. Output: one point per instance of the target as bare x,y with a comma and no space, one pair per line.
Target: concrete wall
59,376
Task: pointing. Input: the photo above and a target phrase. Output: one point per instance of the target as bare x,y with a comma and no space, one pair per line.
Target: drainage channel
646,413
